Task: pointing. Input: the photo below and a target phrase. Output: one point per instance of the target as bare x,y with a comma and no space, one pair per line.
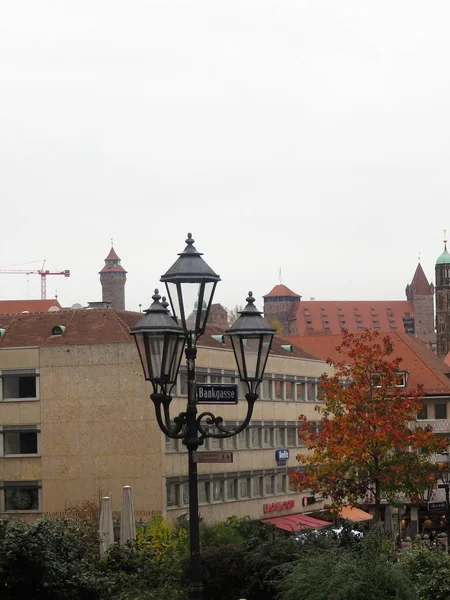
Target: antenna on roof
112,242
279,276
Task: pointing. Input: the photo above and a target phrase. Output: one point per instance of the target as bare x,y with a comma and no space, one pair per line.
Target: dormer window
401,379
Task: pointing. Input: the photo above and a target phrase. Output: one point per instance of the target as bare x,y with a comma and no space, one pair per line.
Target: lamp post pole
161,339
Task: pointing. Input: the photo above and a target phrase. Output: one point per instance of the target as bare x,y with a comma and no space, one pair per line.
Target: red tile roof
112,269
329,317
19,306
423,365
99,326
112,255
280,290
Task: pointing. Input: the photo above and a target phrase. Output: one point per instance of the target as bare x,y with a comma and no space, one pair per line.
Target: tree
368,439
233,314
276,324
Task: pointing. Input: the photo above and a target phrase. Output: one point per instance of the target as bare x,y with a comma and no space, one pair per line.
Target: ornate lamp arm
225,432
175,431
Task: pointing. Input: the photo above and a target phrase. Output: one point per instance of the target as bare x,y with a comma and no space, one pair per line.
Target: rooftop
99,326
423,366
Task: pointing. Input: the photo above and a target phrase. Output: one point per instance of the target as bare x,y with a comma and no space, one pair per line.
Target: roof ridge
121,325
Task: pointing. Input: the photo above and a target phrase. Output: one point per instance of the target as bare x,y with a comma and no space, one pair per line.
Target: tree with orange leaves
368,439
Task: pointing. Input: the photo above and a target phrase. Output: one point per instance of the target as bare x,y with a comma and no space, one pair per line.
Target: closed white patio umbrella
127,520
106,529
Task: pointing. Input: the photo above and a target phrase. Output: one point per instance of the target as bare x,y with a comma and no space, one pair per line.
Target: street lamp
161,338
444,464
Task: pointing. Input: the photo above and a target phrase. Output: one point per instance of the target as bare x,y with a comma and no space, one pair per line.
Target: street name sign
214,457
217,393
437,505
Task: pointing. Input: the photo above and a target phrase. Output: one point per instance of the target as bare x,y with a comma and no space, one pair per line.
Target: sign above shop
275,506
437,505
217,394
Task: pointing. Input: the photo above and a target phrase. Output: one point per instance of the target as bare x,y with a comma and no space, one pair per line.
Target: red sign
278,506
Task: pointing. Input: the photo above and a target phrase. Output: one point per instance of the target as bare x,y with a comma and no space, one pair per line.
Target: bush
49,560
429,572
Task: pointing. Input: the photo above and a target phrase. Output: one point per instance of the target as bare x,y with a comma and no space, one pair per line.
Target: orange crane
42,272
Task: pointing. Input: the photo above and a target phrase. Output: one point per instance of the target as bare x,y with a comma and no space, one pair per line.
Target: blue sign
282,455
217,394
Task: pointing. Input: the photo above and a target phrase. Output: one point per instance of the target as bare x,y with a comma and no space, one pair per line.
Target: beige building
76,422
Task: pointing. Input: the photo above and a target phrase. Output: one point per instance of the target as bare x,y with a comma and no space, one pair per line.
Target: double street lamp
161,339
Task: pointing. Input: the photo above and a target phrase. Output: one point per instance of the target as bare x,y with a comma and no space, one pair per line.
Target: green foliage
49,560
429,572
343,572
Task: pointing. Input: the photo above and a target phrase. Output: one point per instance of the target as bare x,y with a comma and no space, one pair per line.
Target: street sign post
214,457
212,393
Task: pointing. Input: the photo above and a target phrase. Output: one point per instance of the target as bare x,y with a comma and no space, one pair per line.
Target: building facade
77,423
316,317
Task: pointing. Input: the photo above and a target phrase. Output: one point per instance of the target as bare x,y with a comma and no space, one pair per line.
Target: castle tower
279,304
421,293
443,303
113,278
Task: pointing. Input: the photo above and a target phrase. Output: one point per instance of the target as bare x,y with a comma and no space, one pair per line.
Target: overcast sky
308,135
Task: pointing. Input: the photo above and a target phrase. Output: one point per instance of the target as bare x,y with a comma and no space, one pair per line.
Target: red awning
298,522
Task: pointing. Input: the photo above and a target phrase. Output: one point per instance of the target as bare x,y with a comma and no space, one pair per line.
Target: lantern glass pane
140,343
250,346
208,291
156,348
236,343
175,359
265,349
191,297
173,292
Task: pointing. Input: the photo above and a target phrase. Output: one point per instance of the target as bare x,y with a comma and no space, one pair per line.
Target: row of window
229,488
278,388
24,385
254,437
439,411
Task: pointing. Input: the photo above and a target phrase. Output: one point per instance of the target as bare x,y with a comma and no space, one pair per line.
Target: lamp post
161,339
444,464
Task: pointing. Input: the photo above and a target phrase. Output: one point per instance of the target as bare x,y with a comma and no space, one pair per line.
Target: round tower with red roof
280,304
113,278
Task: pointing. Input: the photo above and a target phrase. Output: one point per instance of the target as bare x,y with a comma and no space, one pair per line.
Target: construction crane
42,272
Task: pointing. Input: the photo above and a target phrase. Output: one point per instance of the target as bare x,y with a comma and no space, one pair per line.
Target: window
216,377
228,443
267,437
280,483
440,411
185,494
255,437
341,322
359,322
264,389
268,484
258,486
172,494
21,495
242,439
279,436
18,385
312,391
232,489
183,383
289,389
291,433
360,328
423,414
20,441
244,487
171,444
325,322
376,322
278,388
203,492
218,491
301,391
308,322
